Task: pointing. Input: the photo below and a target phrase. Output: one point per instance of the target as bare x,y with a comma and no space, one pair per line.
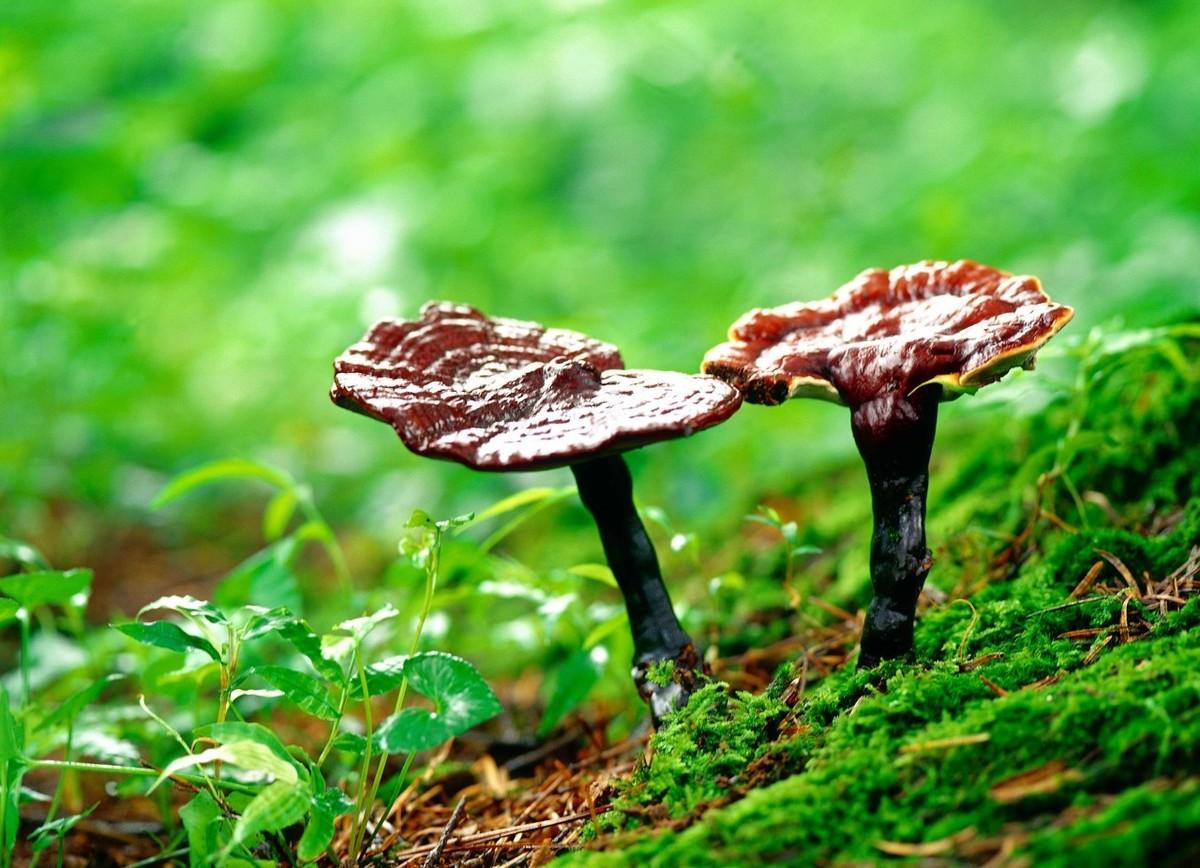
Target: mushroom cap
959,324
504,394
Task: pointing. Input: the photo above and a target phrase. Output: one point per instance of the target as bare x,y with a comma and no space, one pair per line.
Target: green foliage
252,787
461,699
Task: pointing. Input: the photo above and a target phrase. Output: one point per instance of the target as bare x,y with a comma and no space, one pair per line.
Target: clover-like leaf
382,677
461,698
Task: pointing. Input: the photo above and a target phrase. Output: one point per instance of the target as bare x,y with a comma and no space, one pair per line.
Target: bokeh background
202,204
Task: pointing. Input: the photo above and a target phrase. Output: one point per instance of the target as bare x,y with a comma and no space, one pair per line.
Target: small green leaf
46,587
326,806
235,730
186,605
236,468
803,550
249,755
603,630
570,685
304,690
515,501
8,610
203,823
10,734
596,572
301,637
22,553
278,514
276,807
351,742
461,697
52,830
260,621
164,634
78,701
382,677
360,627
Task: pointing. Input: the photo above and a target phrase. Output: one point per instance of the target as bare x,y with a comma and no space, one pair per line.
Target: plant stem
365,791
431,573
23,617
135,772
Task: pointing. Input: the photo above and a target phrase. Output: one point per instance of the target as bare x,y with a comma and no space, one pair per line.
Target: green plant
249,784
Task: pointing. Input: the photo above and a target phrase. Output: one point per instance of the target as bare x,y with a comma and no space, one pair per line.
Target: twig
436,854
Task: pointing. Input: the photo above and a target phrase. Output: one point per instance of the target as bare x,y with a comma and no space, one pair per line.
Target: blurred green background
202,204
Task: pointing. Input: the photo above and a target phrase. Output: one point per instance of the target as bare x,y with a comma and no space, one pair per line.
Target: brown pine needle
1086,582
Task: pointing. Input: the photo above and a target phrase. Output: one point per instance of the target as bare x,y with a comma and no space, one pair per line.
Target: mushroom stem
606,489
894,433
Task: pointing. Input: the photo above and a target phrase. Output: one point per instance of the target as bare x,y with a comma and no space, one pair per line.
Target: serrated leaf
461,697
78,701
382,677
596,572
186,605
203,823
360,627
234,468
248,755
46,587
303,690
569,685
276,807
278,514
164,634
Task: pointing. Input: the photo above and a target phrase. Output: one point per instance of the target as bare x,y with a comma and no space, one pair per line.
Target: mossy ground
1039,721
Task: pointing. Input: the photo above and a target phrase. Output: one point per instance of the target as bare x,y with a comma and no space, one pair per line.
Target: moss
702,749
889,772
661,672
933,750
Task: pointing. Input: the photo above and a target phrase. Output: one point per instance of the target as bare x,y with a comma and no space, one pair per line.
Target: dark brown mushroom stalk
891,345
506,395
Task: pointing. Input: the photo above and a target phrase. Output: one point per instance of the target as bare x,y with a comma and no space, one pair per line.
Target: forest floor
1050,713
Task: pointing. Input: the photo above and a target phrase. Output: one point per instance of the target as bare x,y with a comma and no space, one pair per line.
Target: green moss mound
1039,721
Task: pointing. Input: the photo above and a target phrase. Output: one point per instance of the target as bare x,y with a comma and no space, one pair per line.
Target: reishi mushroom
891,345
506,395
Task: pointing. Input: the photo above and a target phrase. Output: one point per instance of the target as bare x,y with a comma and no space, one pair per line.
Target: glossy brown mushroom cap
503,394
958,324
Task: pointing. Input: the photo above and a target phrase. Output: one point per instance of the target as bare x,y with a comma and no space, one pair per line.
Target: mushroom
891,345
506,395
